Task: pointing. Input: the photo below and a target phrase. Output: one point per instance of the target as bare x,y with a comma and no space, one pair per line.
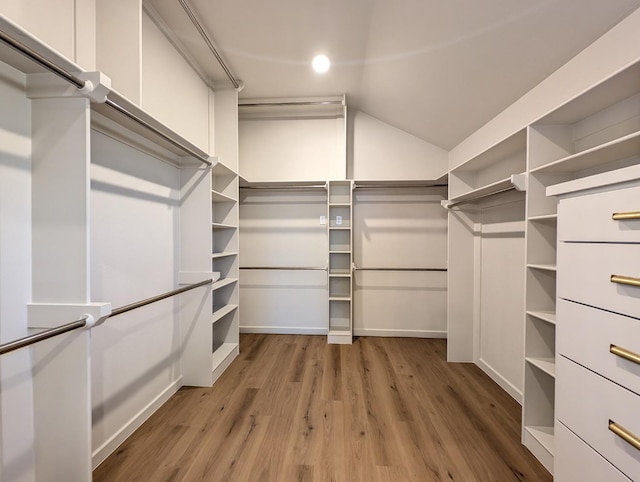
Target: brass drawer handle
624,353
625,216
625,280
624,434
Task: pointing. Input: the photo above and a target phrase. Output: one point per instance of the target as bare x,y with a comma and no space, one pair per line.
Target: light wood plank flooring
292,408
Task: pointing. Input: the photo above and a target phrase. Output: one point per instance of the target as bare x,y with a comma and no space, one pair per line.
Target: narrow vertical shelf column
224,191
340,206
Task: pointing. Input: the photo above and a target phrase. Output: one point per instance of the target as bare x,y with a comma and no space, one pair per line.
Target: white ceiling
438,69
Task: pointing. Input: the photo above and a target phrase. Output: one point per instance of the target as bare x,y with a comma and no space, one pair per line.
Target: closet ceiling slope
409,64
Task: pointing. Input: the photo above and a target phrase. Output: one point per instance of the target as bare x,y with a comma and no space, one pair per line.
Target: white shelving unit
596,132
340,274
225,246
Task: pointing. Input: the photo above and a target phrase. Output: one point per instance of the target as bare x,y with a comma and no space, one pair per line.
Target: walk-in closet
414,257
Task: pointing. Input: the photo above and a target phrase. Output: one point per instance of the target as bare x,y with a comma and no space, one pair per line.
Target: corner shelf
547,316
546,365
223,311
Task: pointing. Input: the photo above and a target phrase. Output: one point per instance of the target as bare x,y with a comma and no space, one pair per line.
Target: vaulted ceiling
438,69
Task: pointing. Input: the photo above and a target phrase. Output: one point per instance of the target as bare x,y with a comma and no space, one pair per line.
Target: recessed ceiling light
321,63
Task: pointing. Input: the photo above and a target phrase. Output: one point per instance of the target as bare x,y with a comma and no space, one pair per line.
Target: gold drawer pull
625,216
625,280
624,434
624,353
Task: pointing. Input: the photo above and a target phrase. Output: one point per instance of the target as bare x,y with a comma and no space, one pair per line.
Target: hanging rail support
43,335
148,301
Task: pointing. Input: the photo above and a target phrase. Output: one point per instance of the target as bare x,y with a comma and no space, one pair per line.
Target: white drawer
587,402
584,275
576,461
589,217
586,334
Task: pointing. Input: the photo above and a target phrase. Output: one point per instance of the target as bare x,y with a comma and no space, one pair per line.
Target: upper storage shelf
491,171
118,115
597,131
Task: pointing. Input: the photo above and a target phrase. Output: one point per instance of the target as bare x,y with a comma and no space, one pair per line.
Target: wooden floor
292,408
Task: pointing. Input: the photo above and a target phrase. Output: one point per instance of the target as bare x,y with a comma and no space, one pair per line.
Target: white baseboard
100,454
283,330
500,380
399,333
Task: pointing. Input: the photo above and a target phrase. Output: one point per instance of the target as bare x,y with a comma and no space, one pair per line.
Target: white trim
505,384
101,453
399,333
283,330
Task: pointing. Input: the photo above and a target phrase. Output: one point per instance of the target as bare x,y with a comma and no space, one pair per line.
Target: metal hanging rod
43,335
74,325
148,301
143,123
288,188
388,186
286,268
291,103
40,60
474,199
398,269
207,40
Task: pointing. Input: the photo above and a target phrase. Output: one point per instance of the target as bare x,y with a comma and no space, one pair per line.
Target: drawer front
585,335
587,402
585,270
589,217
576,461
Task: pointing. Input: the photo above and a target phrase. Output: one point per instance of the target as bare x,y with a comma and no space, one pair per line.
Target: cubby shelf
223,255
546,365
543,435
217,226
617,149
223,352
221,198
542,267
223,282
221,312
548,316
544,218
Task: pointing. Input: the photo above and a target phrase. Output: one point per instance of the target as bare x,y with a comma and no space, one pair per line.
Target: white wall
16,406
292,149
171,90
134,255
400,228
380,151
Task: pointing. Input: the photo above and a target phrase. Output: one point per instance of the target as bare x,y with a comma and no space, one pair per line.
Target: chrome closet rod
196,23
474,199
148,301
286,268
288,188
399,269
394,186
40,60
43,335
143,123
74,325
291,103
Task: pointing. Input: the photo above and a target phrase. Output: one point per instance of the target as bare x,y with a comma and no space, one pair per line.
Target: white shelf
335,251
339,205
219,169
222,353
223,226
514,181
339,298
340,275
622,148
218,197
548,316
547,365
545,218
223,255
544,436
222,283
338,228
544,267
222,312
275,184
502,150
